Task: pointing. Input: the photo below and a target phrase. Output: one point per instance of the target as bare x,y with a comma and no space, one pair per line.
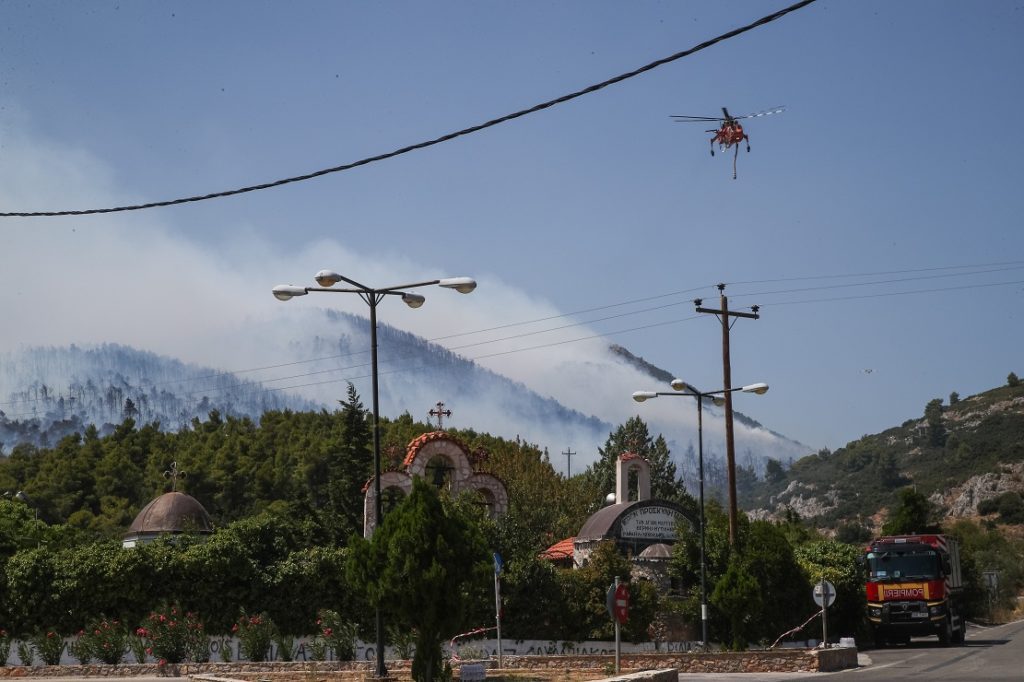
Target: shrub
138,647
338,633
79,648
106,640
170,634
25,653
255,633
5,647
49,645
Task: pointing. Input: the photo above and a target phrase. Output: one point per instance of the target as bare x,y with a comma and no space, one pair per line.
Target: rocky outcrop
963,500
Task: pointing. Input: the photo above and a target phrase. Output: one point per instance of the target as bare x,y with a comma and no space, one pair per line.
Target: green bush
256,634
49,646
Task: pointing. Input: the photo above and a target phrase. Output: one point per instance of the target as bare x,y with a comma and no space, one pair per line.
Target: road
994,654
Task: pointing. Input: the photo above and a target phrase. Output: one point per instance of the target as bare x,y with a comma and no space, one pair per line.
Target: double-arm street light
372,296
681,388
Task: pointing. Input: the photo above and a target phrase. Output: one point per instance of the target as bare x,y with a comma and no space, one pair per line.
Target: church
642,528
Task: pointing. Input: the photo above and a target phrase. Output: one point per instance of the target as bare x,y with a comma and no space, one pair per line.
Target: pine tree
633,436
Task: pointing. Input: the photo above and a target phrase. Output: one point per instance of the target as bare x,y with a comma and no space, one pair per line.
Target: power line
260,386
428,143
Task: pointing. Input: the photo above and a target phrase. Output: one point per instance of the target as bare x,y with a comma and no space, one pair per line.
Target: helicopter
730,132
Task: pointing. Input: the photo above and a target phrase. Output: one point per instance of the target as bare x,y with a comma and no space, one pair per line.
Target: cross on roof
440,413
173,474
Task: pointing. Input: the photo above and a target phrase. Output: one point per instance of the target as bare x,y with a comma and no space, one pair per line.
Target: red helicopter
730,132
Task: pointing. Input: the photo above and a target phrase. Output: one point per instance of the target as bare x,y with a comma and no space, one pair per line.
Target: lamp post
373,296
681,388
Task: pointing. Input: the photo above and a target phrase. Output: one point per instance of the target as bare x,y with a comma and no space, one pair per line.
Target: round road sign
824,593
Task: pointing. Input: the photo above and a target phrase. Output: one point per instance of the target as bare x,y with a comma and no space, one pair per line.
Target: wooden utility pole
568,462
730,447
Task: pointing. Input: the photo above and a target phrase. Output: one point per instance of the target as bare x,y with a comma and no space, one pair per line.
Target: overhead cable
428,143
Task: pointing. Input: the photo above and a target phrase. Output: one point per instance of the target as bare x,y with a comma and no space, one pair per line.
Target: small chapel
442,459
642,528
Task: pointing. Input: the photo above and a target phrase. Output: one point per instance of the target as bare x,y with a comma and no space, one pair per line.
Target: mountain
48,393
960,455
664,377
571,400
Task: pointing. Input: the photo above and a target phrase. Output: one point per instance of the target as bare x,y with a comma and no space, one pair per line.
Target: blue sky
899,153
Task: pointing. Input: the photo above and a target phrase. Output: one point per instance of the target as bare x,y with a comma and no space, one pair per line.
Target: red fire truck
914,587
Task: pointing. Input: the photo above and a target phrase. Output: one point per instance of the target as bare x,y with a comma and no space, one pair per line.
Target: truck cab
914,587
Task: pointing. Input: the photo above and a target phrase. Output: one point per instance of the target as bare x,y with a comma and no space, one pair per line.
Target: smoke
134,279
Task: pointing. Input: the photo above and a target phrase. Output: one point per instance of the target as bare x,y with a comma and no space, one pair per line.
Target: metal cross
440,413
173,474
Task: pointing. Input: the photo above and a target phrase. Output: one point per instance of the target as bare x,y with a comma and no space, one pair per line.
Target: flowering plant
5,647
171,634
337,633
106,640
49,645
255,633
80,649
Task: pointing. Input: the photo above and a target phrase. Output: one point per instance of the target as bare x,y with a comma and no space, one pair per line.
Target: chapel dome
170,513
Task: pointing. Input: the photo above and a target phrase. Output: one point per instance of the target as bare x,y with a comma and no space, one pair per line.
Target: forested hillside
286,496
960,453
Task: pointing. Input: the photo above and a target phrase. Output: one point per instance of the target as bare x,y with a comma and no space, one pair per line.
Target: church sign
650,523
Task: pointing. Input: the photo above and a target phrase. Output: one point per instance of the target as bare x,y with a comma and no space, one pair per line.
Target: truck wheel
946,634
961,634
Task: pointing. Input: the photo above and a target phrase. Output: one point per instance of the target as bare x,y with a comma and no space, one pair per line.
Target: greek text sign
650,523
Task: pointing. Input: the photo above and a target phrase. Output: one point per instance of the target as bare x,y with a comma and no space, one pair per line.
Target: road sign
621,607
824,593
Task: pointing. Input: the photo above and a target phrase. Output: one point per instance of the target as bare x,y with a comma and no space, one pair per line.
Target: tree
913,514
1012,381
954,398
837,562
738,595
774,471
633,436
420,566
933,419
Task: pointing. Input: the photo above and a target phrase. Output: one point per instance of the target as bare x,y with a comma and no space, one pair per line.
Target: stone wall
553,667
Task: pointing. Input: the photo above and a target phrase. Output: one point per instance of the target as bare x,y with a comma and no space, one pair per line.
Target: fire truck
915,587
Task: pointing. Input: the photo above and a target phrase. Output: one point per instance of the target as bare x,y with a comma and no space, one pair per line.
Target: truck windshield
906,564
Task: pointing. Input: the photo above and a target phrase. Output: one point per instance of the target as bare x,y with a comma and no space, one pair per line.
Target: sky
876,221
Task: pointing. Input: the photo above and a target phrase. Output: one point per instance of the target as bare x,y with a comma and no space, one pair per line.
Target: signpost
824,596
498,566
617,603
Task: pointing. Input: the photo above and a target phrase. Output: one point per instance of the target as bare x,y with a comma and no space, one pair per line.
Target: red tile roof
559,550
417,443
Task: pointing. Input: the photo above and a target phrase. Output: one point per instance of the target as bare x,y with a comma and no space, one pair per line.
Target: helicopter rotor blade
695,119
767,112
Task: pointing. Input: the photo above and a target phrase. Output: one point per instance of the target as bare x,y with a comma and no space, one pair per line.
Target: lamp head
759,388
327,278
283,292
463,285
413,300
680,385
641,396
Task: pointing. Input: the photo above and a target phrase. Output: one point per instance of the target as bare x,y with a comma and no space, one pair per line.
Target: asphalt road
994,654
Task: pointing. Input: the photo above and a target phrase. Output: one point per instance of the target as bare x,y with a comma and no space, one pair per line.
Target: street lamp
681,388
372,296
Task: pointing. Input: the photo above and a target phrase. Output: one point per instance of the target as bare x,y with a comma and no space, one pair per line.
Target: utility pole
568,462
730,446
